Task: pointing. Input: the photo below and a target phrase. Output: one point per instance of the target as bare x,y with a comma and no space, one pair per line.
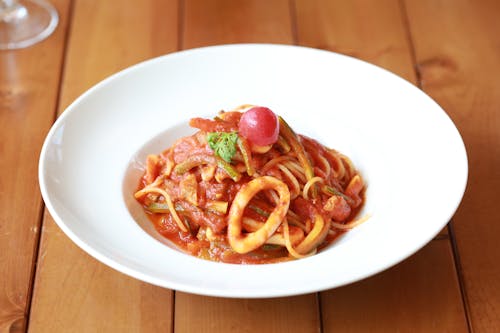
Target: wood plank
81,294
227,21
421,294
368,30
457,52
108,37
376,32
218,22
73,289
210,314
29,84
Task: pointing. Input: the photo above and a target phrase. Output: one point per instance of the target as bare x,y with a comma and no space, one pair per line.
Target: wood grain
209,314
78,293
108,36
376,32
421,294
81,294
29,84
228,21
217,22
457,52
368,30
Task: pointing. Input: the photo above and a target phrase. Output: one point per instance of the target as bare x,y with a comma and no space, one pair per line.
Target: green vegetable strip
259,210
197,160
193,161
232,172
283,145
332,191
271,247
217,206
297,147
245,152
157,207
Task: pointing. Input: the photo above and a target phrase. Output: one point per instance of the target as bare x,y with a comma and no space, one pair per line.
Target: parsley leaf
223,144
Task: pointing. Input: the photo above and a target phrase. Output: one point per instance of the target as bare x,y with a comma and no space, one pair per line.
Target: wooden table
448,48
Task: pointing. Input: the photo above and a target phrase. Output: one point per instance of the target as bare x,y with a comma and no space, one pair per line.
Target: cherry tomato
260,126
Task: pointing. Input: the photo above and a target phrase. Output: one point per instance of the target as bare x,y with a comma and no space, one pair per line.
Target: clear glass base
24,23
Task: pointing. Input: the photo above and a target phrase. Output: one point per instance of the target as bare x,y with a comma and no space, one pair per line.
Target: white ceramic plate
404,144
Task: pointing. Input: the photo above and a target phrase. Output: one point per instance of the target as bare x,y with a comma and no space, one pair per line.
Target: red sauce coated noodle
235,202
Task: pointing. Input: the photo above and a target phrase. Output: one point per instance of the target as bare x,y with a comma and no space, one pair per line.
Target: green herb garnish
223,144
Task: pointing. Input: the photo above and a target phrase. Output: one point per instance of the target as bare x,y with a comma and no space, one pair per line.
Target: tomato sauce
202,192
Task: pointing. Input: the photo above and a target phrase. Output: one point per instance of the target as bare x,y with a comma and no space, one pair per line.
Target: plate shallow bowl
403,143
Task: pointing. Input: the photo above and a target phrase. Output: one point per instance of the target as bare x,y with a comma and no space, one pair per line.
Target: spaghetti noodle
219,195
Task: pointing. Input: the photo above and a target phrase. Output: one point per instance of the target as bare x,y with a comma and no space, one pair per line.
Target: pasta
245,188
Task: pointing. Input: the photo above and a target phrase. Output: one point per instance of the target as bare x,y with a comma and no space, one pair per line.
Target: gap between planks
41,215
450,235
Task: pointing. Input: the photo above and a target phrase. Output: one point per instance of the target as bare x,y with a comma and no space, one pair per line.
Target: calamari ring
243,243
